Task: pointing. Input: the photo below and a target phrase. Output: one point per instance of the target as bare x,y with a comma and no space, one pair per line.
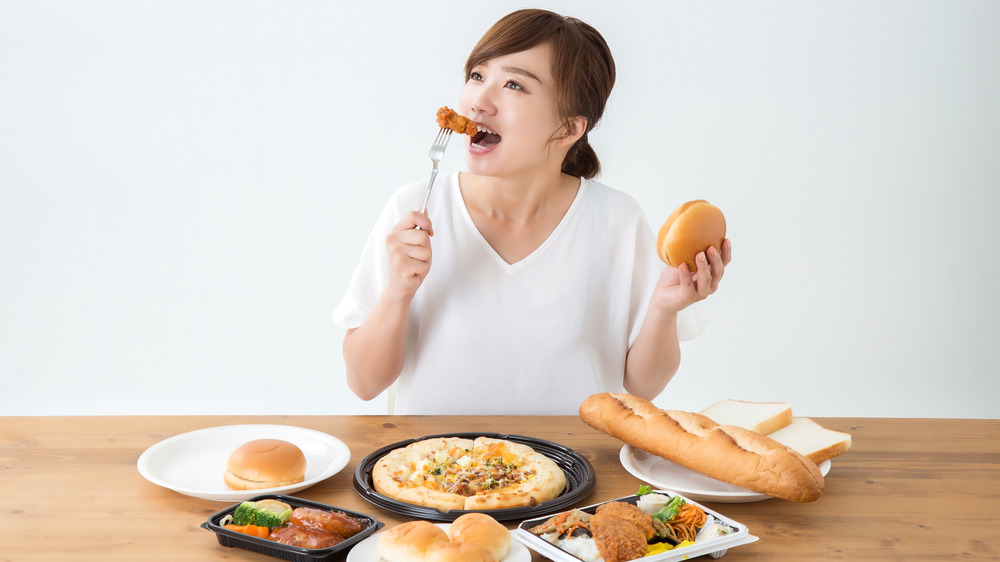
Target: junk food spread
728,453
448,473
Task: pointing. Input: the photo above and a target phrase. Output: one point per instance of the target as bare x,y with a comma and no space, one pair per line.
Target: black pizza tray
580,480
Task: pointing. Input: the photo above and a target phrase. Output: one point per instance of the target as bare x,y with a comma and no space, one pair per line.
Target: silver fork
436,154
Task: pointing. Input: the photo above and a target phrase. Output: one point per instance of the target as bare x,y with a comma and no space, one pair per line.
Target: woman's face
513,100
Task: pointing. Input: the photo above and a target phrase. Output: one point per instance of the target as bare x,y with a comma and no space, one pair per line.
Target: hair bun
581,161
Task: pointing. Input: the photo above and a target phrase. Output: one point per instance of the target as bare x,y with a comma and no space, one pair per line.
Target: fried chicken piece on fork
449,119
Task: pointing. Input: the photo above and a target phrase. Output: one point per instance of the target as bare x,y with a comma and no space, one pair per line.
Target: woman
526,287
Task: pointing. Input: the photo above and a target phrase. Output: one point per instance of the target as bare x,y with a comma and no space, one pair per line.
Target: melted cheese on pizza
466,472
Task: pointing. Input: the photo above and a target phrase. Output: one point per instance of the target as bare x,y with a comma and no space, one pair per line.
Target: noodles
692,515
684,526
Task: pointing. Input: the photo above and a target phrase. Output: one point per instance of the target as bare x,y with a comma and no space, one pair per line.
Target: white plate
193,463
661,473
367,550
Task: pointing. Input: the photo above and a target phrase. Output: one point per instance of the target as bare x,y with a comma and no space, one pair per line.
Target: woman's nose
482,102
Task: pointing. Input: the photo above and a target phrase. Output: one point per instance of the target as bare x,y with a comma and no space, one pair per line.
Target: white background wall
185,188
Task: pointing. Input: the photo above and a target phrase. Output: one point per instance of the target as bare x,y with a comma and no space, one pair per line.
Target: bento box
231,538
563,543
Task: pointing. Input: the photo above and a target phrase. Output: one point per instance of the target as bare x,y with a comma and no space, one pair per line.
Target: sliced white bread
762,417
812,440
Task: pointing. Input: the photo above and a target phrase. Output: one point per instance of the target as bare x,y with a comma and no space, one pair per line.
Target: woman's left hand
678,288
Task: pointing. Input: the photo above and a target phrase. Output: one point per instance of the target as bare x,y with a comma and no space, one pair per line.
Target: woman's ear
576,129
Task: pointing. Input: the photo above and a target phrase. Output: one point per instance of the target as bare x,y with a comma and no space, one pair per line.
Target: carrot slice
252,530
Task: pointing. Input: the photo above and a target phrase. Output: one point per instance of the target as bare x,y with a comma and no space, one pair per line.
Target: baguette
724,452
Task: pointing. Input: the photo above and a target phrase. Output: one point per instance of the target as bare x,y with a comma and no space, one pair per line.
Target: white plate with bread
195,463
661,473
368,550
733,451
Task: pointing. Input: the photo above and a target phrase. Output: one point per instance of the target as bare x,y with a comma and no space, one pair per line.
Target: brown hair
582,66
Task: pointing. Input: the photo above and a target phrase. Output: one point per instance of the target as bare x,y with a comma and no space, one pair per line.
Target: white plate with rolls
661,473
367,550
194,463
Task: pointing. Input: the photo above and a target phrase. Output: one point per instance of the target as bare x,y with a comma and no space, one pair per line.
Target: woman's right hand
409,255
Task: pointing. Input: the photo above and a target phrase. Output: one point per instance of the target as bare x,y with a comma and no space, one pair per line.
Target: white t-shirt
534,337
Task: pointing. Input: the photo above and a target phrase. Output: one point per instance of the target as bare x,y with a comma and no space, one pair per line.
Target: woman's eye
514,85
475,76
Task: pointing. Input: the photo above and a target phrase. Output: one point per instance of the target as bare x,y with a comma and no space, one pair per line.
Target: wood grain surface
911,489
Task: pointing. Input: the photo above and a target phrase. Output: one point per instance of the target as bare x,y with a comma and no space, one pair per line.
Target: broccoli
251,513
245,513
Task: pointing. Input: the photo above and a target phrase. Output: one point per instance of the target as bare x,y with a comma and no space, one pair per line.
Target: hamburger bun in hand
692,228
265,463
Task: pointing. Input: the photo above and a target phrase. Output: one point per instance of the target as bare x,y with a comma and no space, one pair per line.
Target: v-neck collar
526,260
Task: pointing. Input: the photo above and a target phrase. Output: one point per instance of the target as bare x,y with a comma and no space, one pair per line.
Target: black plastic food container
285,552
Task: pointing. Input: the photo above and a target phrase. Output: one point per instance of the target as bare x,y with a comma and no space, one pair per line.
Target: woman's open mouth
484,139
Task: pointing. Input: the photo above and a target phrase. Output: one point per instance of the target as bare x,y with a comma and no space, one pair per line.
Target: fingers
685,280
412,244
680,287
411,237
711,265
409,249
703,279
416,220
716,266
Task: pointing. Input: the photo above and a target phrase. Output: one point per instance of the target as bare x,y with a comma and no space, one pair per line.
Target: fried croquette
631,513
617,539
449,119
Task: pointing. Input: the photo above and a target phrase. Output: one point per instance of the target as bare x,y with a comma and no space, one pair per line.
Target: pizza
448,473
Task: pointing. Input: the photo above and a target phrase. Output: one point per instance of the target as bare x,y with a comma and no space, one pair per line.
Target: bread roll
724,452
265,463
693,227
410,541
458,552
483,530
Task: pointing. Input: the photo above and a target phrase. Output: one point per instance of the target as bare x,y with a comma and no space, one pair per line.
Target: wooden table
911,489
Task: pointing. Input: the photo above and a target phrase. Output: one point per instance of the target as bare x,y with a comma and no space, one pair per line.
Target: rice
583,548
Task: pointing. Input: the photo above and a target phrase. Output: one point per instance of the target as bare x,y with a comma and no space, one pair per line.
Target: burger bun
265,463
692,228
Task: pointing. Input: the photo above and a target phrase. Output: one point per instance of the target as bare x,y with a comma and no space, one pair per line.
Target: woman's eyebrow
521,71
